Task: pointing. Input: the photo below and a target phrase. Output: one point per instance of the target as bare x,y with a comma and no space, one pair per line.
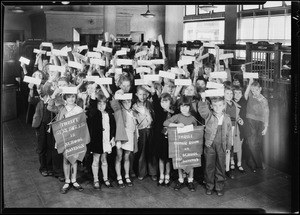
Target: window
219,8
190,10
260,28
269,4
212,31
250,7
288,3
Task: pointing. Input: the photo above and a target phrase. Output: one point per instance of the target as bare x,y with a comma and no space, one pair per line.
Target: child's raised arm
248,89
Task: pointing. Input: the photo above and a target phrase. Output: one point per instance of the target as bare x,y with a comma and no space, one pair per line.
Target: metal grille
263,64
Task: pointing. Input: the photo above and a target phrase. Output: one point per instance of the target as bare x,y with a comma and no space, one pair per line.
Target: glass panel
190,10
204,31
261,28
288,28
246,28
272,4
219,8
288,3
274,31
202,9
250,7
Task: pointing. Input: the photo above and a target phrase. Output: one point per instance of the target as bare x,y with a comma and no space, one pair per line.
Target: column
110,19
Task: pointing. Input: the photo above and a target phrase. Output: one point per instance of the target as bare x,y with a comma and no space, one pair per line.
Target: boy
257,117
218,136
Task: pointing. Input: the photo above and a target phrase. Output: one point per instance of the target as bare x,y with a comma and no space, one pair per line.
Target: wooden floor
268,190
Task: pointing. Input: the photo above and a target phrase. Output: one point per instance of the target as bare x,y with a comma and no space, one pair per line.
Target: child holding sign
180,120
218,137
102,131
64,111
258,120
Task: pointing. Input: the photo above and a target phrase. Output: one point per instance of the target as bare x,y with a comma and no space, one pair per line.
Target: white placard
188,58
250,75
160,40
125,96
104,81
126,49
118,71
24,60
113,37
187,128
142,53
75,65
61,69
214,85
226,56
158,61
184,82
151,77
37,51
66,49
176,70
143,69
209,45
141,82
94,54
32,80
68,90
106,49
215,92
168,75
44,44
181,63
218,75
99,44
48,53
80,56
92,78
189,52
83,48
121,52
124,62
203,56
97,61
144,62
222,68
151,50
106,36
97,50
58,52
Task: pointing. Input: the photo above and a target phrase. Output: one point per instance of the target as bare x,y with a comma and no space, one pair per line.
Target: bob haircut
184,100
65,96
217,99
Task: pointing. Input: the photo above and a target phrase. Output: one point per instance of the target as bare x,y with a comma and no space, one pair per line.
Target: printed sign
142,53
144,62
24,60
143,69
121,52
186,148
66,49
71,135
218,75
80,56
94,54
250,75
176,70
214,85
184,82
106,49
37,51
47,44
92,78
106,36
168,75
68,90
102,81
75,65
124,62
158,61
58,52
141,82
99,44
97,61
81,48
151,77
209,45
188,58
189,52
125,96
160,40
181,63
225,56
214,92
32,80
118,71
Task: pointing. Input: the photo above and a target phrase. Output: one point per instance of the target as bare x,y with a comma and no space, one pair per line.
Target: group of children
135,130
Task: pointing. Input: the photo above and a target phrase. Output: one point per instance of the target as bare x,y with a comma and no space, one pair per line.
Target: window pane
190,10
204,31
246,28
288,2
219,8
204,9
273,4
276,32
288,27
261,28
250,7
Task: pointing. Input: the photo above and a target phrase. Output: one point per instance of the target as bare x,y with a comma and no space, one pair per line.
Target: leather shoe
154,178
61,178
191,186
44,173
208,192
77,186
65,188
97,185
178,185
229,175
220,192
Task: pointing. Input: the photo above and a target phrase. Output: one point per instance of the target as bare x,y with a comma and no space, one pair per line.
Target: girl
64,111
163,111
129,123
180,120
102,132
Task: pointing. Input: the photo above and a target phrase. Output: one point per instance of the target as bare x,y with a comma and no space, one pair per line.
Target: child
257,117
102,132
129,125
232,109
241,101
65,111
180,120
145,156
163,111
218,138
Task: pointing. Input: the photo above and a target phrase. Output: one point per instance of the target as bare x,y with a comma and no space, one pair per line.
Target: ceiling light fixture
17,10
65,2
148,14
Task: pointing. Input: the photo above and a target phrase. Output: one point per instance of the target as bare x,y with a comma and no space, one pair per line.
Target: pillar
110,19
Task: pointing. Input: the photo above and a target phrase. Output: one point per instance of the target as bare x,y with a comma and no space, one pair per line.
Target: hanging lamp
148,14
